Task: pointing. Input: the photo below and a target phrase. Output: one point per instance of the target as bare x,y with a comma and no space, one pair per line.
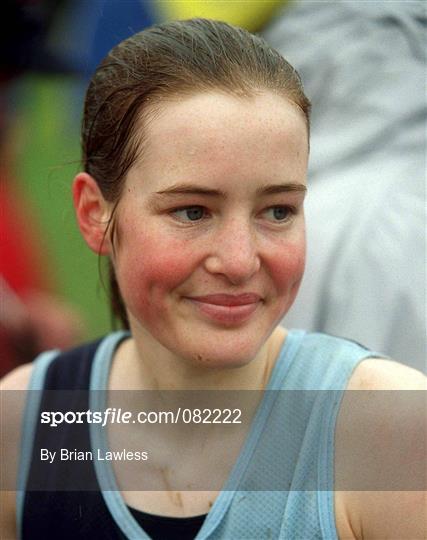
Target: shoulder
381,449
327,362
385,374
13,389
18,379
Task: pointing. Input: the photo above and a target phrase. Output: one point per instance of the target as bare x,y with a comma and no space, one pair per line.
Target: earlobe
93,213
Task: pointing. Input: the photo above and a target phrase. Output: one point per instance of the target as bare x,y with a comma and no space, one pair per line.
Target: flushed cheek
287,269
149,277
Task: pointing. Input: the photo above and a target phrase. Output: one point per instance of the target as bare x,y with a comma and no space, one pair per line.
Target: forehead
220,135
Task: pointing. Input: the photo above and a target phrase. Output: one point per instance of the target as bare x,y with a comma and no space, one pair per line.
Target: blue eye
280,213
190,213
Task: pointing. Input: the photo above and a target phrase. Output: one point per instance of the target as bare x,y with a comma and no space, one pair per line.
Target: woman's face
210,246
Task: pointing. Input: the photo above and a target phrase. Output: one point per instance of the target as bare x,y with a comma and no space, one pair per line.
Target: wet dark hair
171,59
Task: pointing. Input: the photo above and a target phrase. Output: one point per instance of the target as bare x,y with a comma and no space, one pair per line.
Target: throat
136,367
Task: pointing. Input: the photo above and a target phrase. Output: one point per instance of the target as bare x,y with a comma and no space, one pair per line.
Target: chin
227,358
217,348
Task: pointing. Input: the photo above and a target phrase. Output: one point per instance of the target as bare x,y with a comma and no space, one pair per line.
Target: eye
190,213
279,213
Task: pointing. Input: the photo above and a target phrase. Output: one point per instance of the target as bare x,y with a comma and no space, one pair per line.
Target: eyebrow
192,189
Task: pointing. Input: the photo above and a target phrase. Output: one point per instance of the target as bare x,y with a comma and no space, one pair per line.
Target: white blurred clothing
363,65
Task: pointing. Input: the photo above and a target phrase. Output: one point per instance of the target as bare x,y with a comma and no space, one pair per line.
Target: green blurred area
47,158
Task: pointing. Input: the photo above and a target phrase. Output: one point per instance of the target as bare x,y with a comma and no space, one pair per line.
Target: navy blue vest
69,515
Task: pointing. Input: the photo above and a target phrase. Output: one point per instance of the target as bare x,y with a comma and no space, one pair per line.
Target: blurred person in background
32,316
363,65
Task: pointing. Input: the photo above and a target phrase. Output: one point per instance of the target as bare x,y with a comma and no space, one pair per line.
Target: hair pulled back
170,59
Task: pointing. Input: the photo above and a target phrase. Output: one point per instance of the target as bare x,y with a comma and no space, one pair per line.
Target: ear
93,213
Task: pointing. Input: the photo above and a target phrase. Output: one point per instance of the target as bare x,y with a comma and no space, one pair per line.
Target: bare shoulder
381,453
18,379
13,390
385,374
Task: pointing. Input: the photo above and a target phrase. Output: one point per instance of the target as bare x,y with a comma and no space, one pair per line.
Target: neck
142,363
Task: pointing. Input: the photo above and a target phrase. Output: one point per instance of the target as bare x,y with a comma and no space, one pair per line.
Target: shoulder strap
53,370
325,362
29,425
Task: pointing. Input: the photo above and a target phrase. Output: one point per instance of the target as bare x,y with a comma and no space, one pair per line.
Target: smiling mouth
222,299
226,309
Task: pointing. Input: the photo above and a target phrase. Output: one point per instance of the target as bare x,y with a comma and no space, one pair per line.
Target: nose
234,252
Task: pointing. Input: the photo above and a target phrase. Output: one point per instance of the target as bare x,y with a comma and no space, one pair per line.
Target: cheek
147,273
287,268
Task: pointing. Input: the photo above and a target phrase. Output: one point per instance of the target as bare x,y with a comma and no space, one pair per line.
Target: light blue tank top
282,483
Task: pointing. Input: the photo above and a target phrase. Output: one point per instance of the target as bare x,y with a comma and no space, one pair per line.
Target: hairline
148,112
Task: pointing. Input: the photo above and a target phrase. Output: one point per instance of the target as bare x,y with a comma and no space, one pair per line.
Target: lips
227,309
228,299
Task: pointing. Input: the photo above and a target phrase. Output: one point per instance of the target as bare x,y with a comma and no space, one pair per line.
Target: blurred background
363,66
